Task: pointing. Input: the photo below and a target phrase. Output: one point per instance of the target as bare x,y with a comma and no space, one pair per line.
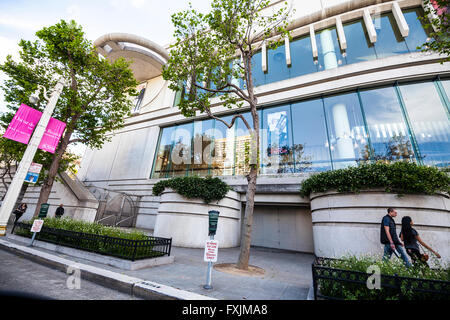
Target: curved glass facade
389,42
406,121
359,48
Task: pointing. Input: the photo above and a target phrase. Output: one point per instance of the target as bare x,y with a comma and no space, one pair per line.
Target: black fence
338,284
122,248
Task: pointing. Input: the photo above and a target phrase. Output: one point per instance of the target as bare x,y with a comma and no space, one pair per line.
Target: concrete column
344,143
328,51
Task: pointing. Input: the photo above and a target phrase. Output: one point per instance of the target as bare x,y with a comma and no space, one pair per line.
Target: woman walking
410,237
19,212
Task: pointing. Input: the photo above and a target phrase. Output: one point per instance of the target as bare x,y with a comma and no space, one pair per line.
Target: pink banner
23,123
52,134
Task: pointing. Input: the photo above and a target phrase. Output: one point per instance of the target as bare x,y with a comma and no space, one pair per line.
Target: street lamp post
21,172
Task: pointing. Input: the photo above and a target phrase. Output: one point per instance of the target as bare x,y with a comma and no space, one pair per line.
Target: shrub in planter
356,291
88,228
208,188
398,177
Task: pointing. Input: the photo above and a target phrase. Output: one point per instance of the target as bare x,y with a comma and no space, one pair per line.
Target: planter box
186,220
110,246
350,222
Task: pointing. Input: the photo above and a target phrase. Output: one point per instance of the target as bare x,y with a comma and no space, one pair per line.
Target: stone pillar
344,143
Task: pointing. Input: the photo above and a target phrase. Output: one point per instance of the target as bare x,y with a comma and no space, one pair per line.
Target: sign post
35,228
212,246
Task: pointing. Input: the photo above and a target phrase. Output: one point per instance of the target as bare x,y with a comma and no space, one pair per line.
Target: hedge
208,188
398,177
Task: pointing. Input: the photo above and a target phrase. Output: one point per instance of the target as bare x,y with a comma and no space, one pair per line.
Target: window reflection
301,57
162,162
388,132
276,64
311,146
417,34
181,151
332,132
243,145
223,148
429,122
277,156
348,138
359,47
201,147
389,39
330,55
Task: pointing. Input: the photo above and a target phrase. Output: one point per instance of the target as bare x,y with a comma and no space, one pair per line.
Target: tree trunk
244,255
52,172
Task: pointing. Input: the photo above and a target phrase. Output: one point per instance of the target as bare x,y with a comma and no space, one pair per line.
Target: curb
130,285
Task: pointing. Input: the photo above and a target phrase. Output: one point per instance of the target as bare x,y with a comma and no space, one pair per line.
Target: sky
20,19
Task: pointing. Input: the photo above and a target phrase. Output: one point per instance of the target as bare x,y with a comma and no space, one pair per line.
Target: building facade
351,86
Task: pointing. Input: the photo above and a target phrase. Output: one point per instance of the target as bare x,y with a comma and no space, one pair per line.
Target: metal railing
132,250
328,282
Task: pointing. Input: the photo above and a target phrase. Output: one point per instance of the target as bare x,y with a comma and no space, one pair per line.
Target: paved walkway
287,274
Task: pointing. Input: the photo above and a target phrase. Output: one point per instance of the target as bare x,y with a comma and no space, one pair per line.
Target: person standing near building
19,213
59,211
388,237
410,237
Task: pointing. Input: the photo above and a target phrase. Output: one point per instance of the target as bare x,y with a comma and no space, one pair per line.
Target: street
29,278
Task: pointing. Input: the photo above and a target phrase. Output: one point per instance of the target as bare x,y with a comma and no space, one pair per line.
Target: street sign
35,228
211,250
33,173
37,225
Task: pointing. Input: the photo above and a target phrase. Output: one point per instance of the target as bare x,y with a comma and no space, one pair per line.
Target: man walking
59,211
388,237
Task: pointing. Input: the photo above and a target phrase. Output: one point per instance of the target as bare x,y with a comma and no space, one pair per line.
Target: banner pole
16,184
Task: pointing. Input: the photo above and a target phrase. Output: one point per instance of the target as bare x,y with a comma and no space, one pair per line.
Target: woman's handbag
423,256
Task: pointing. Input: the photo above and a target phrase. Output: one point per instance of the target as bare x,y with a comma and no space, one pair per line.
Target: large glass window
301,57
429,122
446,86
399,122
389,135
330,55
223,150
311,146
348,142
258,76
201,147
359,47
162,161
417,34
243,145
276,64
389,39
181,154
277,156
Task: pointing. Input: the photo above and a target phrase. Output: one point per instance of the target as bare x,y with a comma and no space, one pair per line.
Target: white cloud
74,12
138,3
19,23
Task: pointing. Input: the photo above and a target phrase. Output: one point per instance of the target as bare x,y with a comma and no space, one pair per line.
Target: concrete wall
186,220
350,223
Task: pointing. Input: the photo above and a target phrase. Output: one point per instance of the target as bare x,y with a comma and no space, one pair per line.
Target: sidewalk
287,274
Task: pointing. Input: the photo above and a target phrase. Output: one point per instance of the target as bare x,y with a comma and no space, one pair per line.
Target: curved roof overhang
147,57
